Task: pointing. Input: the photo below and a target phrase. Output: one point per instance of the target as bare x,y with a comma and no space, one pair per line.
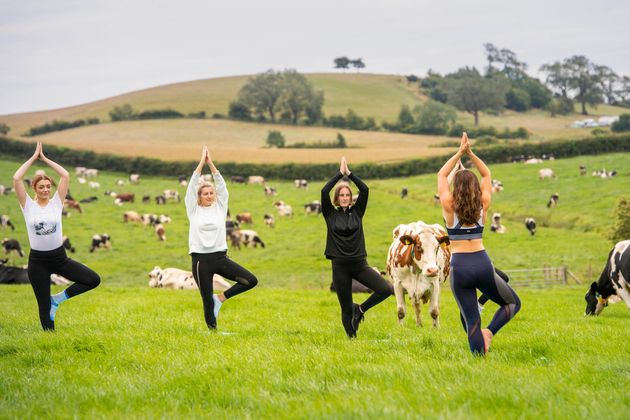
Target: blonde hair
338,191
38,178
202,185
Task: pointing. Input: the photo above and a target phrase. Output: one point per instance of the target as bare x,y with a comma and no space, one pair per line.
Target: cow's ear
407,240
594,287
444,240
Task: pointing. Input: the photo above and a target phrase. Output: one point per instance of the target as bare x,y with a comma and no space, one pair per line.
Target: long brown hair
338,191
466,197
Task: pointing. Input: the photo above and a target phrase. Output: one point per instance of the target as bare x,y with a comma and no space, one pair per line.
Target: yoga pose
345,247
43,224
207,206
464,212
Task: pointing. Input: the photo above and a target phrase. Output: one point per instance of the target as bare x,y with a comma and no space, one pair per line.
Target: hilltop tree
4,129
262,93
622,93
275,138
433,117
342,63
468,91
585,80
122,113
358,64
299,98
557,77
509,65
608,80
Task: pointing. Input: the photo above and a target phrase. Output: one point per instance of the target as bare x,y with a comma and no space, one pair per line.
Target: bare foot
487,339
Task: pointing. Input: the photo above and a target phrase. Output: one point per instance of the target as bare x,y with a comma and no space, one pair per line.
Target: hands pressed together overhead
343,166
464,146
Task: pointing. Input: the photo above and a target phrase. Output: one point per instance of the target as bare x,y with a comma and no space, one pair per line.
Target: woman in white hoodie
207,206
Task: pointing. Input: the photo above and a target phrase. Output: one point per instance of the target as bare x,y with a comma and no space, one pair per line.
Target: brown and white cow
245,218
174,278
160,232
614,280
417,261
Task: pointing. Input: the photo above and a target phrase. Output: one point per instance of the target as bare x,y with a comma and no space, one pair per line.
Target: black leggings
41,264
205,266
472,271
343,273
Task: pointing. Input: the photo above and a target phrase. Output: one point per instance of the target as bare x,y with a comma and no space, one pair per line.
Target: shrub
199,115
275,138
622,124
560,106
4,129
517,100
56,125
157,114
239,111
599,131
621,228
122,113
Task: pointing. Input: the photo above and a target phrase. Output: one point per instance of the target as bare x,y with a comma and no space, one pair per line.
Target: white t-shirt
43,224
207,224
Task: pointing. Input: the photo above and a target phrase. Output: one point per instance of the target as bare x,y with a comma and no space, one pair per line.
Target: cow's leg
399,291
434,304
417,306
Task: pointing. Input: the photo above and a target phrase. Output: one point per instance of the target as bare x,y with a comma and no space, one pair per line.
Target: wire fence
542,277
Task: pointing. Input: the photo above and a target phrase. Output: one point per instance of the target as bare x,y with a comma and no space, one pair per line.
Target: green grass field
369,95
126,349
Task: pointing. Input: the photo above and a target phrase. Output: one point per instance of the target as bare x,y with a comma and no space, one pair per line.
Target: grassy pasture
125,349
378,96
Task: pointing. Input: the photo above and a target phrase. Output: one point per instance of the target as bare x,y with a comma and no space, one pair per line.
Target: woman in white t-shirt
207,206
43,224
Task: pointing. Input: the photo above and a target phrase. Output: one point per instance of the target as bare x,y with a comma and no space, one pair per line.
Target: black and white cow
314,207
12,245
404,193
496,225
614,280
12,275
67,245
530,224
553,200
100,241
6,222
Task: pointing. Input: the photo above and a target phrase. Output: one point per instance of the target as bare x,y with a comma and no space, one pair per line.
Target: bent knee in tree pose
465,210
207,207
345,247
43,224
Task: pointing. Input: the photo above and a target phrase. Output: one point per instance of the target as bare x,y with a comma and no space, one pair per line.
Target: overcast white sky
56,53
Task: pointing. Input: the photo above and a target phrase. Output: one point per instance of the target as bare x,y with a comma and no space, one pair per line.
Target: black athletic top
345,237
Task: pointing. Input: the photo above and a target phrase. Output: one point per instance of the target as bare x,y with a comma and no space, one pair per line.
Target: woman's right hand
464,146
204,155
38,151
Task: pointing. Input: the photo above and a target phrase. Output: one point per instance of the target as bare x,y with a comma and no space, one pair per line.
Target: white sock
217,305
55,301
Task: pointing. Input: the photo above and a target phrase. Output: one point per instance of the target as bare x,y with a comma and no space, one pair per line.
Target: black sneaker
357,316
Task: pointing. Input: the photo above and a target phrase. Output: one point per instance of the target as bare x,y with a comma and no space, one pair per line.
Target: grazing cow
12,245
5,190
237,179
160,199
72,204
245,218
183,180
12,275
314,207
546,173
79,170
174,278
533,161
126,197
82,180
283,209
256,179
67,245
131,216
171,195
530,224
496,225
134,178
230,225
269,220
553,200
90,173
270,191
146,199
94,185
248,237
614,280
88,199
101,241
160,232
497,186
6,222
604,173
417,261
300,183
404,193
582,170
120,182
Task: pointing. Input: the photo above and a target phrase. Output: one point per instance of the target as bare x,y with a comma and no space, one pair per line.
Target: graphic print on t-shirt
45,228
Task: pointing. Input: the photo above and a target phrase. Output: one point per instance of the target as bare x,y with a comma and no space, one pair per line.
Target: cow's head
422,248
595,302
155,276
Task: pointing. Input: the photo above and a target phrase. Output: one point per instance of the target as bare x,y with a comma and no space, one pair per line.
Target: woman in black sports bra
464,210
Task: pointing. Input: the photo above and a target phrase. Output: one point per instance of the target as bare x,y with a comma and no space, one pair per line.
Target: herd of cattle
417,260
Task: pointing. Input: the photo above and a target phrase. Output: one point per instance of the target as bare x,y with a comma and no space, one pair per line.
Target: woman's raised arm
18,182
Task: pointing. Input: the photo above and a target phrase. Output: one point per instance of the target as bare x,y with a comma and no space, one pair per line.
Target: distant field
378,96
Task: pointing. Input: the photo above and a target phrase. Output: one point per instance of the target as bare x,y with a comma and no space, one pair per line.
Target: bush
199,115
517,100
239,111
599,131
56,125
275,138
122,113
4,129
560,106
157,114
622,124
621,229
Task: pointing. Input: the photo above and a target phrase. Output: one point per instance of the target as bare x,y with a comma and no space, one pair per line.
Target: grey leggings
472,271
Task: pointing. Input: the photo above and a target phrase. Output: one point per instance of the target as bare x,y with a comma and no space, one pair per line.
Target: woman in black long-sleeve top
345,247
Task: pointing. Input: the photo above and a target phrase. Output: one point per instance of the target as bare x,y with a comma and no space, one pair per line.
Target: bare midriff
466,245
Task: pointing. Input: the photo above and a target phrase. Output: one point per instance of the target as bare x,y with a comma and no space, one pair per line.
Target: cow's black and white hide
614,280
530,224
12,245
100,241
5,222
